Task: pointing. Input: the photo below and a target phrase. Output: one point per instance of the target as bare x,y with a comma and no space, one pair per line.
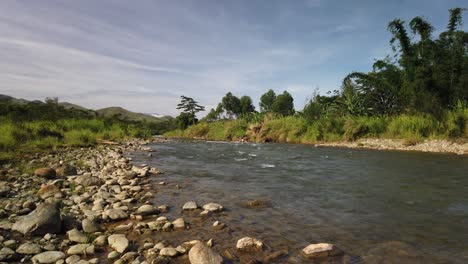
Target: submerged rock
190,206
321,250
201,254
45,219
213,207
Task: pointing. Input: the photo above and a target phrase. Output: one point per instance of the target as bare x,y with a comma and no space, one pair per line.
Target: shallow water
360,200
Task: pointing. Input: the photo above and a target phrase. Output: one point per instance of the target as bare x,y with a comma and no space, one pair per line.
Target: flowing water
402,207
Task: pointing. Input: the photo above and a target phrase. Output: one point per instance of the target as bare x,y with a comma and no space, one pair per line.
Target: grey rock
81,249
45,219
115,214
190,206
48,257
76,236
89,226
201,254
118,242
29,249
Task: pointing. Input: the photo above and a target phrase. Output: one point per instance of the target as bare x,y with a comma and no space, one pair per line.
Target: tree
215,114
190,108
283,104
246,105
267,100
231,105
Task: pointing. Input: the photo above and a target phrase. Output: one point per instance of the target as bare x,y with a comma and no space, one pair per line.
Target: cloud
313,3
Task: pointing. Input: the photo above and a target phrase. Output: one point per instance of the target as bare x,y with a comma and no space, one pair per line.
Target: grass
295,129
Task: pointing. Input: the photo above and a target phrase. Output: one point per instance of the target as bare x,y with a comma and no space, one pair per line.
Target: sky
143,55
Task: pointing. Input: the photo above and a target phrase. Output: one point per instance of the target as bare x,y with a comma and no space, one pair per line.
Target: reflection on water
371,204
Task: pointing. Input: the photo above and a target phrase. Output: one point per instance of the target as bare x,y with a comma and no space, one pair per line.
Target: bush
405,126
83,137
358,127
456,124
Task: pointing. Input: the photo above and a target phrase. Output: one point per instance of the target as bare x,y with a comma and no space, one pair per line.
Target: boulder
47,173
249,244
201,254
118,242
44,219
48,257
321,250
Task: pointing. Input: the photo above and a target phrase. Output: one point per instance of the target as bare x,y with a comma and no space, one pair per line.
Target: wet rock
249,244
29,249
81,249
45,219
47,173
179,223
147,210
321,250
168,252
190,206
76,236
258,203
89,226
273,257
118,242
66,170
213,207
115,214
201,254
48,257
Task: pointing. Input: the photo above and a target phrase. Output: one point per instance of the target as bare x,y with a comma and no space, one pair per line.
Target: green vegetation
419,92
34,126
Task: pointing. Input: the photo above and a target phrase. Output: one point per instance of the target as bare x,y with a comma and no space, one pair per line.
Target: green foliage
267,100
406,126
190,108
283,105
246,105
232,105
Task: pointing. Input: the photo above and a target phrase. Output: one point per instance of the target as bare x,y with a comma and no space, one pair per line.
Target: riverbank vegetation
418,92
35,126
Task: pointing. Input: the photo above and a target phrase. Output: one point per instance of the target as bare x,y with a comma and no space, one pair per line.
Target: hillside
124,114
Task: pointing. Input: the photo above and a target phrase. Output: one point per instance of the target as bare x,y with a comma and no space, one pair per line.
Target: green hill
124,114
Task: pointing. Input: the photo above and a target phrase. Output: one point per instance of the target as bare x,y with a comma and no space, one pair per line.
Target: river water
399,207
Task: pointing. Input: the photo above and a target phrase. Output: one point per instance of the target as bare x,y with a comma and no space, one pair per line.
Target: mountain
117,112
124,114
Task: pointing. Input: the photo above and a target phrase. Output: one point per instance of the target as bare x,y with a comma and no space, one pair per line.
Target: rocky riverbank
94,206
434,146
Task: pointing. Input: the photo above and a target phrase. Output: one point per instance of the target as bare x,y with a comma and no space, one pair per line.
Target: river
404,207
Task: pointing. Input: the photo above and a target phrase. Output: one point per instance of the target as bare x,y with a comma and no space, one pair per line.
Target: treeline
419,91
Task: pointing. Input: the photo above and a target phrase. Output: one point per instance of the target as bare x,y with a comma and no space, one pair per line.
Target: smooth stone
76,236
118,242
72,259
100,241
147,210
179,223
113,255
87,181
48,257
168,252
29,248
81,249
7,254
47,173
190,206
249,244
116,214
201,254
89,226
213,207
321,250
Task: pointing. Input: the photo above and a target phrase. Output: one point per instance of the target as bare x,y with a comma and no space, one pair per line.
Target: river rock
201,254
47,173
88,180
147,210
213,207
72,259
321,250
66,170
81,249
115,214
118,242
100,241
249,244
89,226
179,223
7,254
190,206
48,257
76,236
49,190
45,219
168,252
29,248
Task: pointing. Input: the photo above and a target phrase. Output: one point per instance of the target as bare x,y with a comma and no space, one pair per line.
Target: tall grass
295,129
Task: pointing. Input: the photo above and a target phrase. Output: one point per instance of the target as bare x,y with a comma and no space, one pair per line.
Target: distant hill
124,114
117,112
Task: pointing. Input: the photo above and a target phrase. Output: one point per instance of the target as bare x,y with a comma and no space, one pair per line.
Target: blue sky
142,55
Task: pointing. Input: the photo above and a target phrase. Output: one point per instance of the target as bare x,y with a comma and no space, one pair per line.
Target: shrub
83,137
405,126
